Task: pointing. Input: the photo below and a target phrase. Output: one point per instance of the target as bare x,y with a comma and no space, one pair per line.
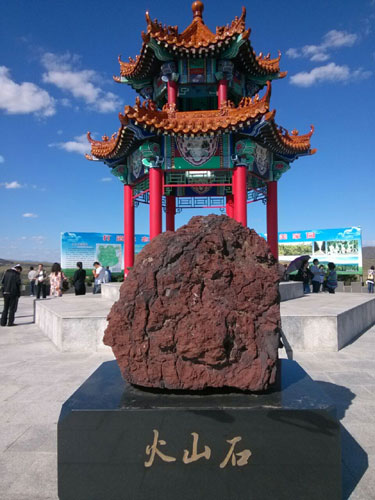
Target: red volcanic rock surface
199,309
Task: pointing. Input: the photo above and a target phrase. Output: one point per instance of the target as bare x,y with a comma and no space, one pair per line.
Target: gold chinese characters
236,458
153,450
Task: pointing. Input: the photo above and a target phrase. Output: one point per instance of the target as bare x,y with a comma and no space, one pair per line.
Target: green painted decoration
121,172
278,169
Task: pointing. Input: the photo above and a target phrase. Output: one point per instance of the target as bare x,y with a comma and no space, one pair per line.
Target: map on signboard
109,255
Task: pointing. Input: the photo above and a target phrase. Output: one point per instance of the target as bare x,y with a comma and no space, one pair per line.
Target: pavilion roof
199,122
280,140
210,122
197,40
114,147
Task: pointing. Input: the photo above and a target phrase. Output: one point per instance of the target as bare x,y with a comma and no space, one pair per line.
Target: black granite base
119,442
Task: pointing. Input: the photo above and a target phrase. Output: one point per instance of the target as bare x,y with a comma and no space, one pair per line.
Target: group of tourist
318,277
59,282
38,281
11,285
325,280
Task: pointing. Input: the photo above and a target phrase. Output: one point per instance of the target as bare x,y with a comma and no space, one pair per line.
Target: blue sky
57,59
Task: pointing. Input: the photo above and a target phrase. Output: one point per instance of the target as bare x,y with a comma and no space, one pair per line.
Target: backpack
370,275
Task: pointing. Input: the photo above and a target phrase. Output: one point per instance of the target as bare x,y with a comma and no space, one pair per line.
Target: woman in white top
56,279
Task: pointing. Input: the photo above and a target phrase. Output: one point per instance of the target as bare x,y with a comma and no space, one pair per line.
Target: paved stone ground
35,379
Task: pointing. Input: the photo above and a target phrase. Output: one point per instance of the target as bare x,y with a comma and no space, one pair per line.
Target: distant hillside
6,264
368,252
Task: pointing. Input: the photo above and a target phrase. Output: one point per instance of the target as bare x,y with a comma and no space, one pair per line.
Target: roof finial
197,8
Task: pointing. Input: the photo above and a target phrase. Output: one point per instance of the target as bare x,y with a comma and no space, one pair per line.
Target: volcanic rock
200,308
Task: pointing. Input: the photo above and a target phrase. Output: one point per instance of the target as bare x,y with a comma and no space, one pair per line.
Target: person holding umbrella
301,264
304,274
297,263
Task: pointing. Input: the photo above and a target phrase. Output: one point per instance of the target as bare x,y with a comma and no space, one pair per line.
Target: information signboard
342,246
108,249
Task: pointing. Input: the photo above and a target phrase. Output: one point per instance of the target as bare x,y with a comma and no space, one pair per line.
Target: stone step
326,322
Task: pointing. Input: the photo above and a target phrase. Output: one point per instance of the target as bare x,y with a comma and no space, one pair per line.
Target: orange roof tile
196,39
197,34
288,142
270,65
229,118
110,148
171,121
105,146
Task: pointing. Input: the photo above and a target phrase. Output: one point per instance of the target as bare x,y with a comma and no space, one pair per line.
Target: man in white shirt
99,275
32,277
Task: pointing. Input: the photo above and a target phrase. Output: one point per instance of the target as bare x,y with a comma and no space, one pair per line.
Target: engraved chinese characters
194,454
153,450
236,458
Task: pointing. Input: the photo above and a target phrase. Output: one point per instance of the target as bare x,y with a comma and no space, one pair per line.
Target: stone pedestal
116,441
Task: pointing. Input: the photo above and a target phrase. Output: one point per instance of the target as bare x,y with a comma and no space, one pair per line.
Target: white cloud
80,83
23,98
38,239
320,57
293,53
361,74
2,159
11,185
78,145
106,179
329,73
29,215
334,39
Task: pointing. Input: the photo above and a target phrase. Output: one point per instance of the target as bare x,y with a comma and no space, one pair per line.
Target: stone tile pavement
348,377
35,379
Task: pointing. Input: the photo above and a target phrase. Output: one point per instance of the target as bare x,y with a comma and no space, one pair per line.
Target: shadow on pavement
354,457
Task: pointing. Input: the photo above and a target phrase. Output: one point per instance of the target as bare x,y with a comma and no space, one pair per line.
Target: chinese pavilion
199,134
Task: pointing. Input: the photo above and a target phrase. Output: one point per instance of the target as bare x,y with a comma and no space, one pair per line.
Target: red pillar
234,184
170,212
156,181
172,92
230,205
222,92
272,225
240,194
128,229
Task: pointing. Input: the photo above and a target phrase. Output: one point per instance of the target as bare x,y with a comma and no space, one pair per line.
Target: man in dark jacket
11,287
